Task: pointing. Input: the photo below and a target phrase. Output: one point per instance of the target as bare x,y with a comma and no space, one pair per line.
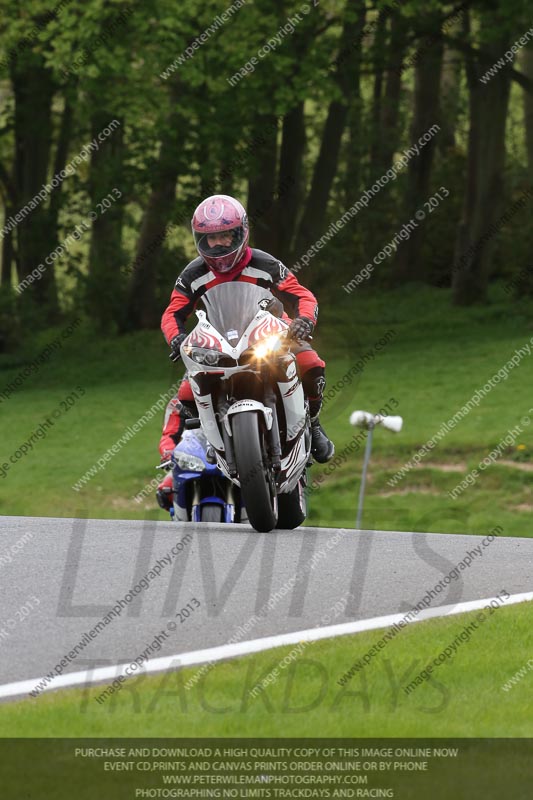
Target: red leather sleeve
304,299
175,314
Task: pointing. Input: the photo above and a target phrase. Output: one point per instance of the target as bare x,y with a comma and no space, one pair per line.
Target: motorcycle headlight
188,462
203,355
267,346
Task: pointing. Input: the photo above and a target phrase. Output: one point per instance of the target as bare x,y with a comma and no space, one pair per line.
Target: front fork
229,507
273,434
229,451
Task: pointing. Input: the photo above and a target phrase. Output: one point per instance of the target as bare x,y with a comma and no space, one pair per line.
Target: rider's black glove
301,328
175,344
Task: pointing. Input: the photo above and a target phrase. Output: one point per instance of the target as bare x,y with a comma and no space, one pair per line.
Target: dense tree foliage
298,108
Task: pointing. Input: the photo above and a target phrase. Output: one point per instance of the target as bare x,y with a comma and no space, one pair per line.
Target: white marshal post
364,419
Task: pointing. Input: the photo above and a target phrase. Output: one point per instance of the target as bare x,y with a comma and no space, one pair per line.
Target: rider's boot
322,448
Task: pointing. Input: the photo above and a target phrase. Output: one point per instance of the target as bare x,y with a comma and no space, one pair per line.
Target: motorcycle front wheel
212,512
258,489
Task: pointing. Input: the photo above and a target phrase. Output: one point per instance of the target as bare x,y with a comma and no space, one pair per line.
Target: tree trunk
388,61
313,220
142,311
262,183
63,142
290,181
314,216
208,159
104,294
408,263
450,96
9,200
527,69
7,250
141,306
230,159
484,184
356,146
378,63
387,140
33,90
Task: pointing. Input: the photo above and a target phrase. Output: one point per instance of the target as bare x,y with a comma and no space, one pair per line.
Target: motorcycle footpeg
192,423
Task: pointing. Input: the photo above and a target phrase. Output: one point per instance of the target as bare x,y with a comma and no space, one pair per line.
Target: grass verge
463,697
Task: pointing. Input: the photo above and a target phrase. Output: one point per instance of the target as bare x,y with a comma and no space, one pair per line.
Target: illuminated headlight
188,462
267,346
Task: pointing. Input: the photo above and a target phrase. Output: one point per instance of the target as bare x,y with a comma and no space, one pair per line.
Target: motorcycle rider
220,230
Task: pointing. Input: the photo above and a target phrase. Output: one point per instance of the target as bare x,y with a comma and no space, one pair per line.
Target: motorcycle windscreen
194,443
231,306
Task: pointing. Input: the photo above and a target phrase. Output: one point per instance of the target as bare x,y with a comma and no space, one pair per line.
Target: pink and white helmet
217,214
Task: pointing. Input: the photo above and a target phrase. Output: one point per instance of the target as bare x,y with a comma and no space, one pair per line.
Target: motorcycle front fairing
194,478
234,321
226,346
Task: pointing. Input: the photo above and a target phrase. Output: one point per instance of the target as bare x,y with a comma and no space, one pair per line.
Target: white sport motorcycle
250,401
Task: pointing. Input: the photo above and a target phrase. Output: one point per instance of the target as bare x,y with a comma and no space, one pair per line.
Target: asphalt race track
65,575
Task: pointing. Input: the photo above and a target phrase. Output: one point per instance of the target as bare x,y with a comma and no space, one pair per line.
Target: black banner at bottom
410,769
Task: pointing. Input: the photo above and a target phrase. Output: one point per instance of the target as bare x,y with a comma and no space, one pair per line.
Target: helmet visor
217,244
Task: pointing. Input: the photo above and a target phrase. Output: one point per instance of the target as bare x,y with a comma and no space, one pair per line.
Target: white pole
368,450
363,419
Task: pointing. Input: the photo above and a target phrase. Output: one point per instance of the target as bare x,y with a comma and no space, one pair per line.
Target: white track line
225,651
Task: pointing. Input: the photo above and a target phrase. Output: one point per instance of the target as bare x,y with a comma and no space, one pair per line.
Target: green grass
436,359
463,698
122,379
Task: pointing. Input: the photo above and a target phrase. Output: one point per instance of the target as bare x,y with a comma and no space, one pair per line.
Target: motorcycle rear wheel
258,489
292,508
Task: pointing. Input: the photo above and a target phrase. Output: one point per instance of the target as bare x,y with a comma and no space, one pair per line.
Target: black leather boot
322,448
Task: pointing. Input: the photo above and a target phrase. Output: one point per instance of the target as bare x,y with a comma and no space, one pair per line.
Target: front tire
257,486
211,512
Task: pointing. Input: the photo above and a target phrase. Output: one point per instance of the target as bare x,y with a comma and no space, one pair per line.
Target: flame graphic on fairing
202,339
267,327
